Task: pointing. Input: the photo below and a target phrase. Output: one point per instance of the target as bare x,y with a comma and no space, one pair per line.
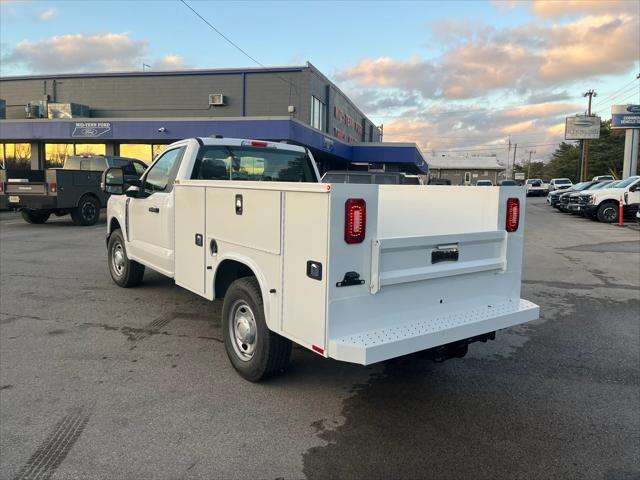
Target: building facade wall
251,93
457,176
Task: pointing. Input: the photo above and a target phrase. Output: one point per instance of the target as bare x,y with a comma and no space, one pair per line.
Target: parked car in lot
553,198
536,187
378,178
601,178
604,204
563,200
484,183
559,184
439,181
578,200
74,188
508,183
358,273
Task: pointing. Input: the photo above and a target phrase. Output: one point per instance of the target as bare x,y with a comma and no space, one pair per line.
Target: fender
266,298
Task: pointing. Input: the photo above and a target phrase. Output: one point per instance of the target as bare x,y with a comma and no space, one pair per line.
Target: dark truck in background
74,188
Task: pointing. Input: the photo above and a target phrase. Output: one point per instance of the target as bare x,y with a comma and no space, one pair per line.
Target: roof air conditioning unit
216,99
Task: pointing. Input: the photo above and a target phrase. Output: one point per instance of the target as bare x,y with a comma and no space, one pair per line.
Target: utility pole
529,166
508,157
585,143
515,149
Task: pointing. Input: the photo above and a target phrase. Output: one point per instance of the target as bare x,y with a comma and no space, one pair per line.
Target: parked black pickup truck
73,189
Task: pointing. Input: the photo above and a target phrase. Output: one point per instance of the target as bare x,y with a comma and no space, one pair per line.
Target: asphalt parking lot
99,382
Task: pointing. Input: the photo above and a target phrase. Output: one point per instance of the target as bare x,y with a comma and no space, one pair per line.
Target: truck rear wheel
608,212
254,350
87,212
124,272
34,216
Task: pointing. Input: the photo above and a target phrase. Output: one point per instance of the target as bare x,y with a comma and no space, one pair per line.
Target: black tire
124,272
608,212
260,352
87,212
34,216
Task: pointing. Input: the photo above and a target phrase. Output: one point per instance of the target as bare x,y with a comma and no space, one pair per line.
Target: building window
90,149
15,155
55,154
142,151
318,114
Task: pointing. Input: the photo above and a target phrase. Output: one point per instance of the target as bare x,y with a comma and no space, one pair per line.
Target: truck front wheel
254,350
124,272
87,212
34,216
608,212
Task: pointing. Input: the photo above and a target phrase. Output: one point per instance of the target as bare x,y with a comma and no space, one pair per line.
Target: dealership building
46,118
466,169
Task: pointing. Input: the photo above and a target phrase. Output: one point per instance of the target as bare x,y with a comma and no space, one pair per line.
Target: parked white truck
359,273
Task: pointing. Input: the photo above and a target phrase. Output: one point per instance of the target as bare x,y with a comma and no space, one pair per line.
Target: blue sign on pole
625,116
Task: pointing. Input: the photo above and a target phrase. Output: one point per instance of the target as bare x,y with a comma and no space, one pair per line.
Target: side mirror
135,192
635,187
113,181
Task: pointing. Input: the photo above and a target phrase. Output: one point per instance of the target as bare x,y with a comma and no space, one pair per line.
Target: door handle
154,209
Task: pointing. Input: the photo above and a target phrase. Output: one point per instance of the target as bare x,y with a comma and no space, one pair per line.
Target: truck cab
355,272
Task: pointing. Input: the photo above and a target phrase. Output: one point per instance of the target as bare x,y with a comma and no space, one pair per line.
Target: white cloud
78,53
522,58
567,8
170,62
47,14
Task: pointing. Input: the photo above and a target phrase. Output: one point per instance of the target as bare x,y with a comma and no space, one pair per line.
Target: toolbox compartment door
189,237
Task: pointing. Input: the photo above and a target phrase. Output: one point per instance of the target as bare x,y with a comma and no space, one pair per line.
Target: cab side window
215,165
139,167
162,174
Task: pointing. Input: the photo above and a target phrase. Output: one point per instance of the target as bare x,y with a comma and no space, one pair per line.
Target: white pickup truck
359,273
536,186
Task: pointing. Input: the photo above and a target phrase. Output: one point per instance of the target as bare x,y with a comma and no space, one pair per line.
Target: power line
633,96
611,95
240,49
231,42
615,98
453,150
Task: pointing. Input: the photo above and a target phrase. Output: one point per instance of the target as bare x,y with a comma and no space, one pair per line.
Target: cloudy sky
450,76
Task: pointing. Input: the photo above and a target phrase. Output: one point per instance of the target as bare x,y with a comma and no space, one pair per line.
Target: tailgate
437,266
25,182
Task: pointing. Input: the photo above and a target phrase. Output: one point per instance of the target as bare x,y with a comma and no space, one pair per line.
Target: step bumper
373,346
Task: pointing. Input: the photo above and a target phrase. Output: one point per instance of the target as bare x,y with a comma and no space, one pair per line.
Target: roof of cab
248,142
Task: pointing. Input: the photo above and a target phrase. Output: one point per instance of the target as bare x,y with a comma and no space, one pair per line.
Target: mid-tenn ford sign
582,127
625,116
91,130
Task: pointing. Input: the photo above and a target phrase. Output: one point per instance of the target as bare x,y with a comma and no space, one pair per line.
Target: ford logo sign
633,108
89,132
583,123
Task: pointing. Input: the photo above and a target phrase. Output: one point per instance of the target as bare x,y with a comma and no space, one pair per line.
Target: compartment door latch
350,278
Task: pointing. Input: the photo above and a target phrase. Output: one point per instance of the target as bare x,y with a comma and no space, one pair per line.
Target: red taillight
255,143
53,187
355,220
513,214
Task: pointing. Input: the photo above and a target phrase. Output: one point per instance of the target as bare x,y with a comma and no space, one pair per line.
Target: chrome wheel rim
118,261
243,330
